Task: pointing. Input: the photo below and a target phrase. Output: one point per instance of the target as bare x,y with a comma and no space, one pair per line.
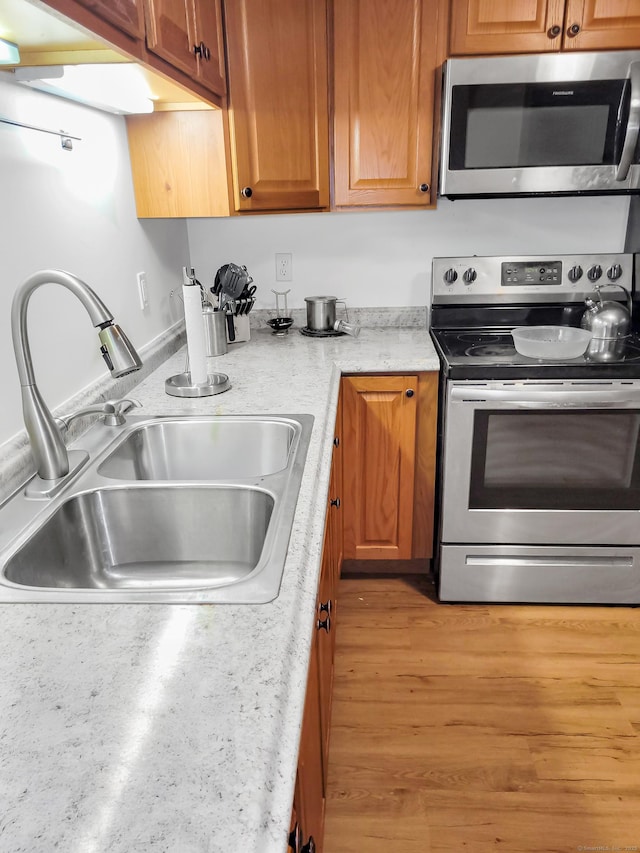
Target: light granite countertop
174,728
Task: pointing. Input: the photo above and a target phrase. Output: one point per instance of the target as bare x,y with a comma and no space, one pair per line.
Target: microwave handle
633,125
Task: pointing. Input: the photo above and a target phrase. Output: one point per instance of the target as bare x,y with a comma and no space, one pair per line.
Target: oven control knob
469,276
614,272
575,273
450,276
594,272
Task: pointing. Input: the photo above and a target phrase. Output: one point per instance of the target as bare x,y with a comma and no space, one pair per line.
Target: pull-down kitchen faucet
47,447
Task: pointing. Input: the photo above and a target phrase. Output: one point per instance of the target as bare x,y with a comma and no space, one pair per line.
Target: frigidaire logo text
562,93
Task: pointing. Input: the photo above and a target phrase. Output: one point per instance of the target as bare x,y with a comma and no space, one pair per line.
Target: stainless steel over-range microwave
541,124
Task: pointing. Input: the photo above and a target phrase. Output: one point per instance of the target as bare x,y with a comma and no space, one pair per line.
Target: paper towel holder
180,385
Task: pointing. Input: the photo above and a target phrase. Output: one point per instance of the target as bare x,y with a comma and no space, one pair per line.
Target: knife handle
231,329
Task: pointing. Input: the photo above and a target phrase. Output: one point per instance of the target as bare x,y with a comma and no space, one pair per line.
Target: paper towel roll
195,333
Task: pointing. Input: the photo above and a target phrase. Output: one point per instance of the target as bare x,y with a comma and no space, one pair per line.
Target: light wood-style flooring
483,727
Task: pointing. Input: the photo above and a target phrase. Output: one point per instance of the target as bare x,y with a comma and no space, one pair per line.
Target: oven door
541,463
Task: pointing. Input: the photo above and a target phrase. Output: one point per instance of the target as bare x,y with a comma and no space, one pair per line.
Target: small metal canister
215,331
321,312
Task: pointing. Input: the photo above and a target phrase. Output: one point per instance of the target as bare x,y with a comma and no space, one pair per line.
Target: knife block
242,329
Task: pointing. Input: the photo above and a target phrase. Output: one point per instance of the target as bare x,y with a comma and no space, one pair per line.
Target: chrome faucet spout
47,446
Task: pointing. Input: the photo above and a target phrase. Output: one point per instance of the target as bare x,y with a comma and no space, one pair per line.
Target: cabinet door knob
310,846
295,838
336,442
324,623
335,502
246,192
573,30
324,607
202,51
409,392
424,188
554,32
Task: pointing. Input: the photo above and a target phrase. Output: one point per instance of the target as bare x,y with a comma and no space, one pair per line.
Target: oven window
556,460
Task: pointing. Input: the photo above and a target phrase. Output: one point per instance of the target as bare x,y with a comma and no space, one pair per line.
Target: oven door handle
633,124
597,399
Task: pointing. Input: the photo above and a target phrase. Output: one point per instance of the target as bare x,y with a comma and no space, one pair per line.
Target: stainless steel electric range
539,460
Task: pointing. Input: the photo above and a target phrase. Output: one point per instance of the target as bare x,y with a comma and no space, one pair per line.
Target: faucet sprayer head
117,350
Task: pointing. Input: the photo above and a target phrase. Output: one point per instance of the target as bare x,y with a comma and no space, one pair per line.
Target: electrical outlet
142,290
283,266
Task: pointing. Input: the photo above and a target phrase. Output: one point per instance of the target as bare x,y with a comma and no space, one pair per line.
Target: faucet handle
98,409
113,411
117,410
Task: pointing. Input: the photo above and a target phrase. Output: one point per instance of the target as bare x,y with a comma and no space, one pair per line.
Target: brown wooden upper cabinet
182,39
278,103
124,14
188,35
119,22
385,59
531,26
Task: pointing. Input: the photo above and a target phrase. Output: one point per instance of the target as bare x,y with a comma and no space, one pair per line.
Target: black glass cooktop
491,354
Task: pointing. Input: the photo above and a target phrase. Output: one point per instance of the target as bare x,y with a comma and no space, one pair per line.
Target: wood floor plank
530,823
476,728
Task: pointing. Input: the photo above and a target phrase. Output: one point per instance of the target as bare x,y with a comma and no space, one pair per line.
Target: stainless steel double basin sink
169,509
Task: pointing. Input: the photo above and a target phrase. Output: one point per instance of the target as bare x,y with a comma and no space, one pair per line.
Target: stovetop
477,301
491,354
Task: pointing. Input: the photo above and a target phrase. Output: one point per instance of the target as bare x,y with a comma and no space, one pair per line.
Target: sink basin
203,449
174,509
147,539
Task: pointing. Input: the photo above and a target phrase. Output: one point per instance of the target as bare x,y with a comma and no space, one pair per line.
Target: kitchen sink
147,538
202,449
173,509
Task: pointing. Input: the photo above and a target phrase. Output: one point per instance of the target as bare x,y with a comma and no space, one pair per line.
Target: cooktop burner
500,347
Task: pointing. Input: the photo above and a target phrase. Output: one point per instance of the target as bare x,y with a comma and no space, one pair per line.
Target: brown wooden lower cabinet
311,781
389,432
382,481
309,793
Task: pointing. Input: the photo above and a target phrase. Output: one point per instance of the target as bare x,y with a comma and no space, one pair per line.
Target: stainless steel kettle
607,320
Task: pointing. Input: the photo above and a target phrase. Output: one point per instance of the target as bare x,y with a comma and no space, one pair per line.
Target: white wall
384,258
75,210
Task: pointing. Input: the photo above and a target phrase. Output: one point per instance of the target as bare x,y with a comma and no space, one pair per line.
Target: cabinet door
326,645
171,32
278,117
506,26
127,15
379,431
336,498
310,794
384,89
602,24
211,73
